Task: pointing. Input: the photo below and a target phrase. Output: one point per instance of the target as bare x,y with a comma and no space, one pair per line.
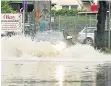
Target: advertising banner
11,22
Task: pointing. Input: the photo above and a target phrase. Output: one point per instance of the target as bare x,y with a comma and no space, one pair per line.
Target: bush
67,12
6,8
108,50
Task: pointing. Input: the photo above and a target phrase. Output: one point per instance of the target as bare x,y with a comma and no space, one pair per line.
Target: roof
21,1
89,12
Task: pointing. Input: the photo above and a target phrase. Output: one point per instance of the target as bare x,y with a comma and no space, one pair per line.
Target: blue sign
25,4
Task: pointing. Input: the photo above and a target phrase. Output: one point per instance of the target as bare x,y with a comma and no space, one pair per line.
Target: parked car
7,33
86,36
11,33
3,33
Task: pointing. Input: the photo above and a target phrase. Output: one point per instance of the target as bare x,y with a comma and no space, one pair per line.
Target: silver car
86,36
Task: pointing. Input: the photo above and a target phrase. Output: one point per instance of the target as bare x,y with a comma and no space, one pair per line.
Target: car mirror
69,37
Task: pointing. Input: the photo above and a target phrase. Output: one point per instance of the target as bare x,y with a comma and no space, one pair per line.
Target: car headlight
60,46
69,37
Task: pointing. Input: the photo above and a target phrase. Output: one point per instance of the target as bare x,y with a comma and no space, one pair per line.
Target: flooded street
45,73
55,42
27,63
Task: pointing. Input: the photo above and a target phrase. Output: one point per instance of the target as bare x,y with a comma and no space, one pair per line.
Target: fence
73,23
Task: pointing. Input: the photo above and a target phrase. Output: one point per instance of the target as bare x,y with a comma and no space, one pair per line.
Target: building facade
73,4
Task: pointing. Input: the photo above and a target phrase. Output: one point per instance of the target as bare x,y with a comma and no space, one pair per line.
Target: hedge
67,12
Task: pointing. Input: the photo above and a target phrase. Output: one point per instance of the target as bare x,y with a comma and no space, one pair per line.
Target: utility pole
109,34
100,36
23,21
24,10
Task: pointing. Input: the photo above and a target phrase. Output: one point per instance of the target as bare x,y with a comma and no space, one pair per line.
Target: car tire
88,41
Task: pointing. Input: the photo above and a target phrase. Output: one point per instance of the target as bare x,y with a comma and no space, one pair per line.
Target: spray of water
84,53
24,47
20,46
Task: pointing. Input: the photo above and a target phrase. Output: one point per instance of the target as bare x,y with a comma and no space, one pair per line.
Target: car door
90,33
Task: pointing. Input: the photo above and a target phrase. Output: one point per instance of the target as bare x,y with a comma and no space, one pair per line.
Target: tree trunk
100,36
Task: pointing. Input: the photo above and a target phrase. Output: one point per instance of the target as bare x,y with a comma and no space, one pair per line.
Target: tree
6,8
100,36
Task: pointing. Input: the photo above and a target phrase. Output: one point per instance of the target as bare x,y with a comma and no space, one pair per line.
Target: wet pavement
54,73
26,63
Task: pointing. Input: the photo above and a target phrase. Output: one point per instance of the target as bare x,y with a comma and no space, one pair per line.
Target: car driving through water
56,37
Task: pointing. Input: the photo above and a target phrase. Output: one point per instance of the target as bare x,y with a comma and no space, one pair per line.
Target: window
87,0
65,7
74,7
89,30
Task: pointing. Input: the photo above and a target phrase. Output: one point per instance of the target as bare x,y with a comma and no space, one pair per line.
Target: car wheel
88,41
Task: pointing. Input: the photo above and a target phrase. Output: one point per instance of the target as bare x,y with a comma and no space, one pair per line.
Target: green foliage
107,50
6,8
67,12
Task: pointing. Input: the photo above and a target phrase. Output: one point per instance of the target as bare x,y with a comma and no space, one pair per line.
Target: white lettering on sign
11,22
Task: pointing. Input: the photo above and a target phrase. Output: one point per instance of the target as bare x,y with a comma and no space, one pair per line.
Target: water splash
20,46
84,52
84,58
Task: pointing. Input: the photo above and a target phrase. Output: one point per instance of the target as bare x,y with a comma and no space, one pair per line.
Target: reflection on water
57,73
60,74
27,63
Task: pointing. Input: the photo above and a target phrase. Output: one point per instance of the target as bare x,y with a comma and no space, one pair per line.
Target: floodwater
30,63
